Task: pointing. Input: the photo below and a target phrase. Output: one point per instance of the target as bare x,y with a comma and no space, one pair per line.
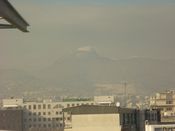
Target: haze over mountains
85,72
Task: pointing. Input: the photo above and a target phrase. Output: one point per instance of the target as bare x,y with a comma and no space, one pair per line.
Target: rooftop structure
10,15
105,100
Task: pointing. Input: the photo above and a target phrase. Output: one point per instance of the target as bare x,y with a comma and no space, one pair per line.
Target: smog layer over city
122,51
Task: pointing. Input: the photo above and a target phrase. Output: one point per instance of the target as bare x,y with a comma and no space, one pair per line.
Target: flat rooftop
96,109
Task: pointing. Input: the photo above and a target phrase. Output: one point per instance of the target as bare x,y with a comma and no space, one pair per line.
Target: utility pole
125,92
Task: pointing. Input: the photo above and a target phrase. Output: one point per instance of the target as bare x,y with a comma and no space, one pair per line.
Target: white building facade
43,116
164,101
160,127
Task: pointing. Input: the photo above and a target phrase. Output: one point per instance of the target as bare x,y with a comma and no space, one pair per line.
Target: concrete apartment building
165,101
45,115
107,118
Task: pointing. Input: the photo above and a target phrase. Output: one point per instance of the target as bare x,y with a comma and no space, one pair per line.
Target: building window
29,107
124,122
30,113
44,113
44,119
132,118
39,106
169,109
68,118
49,113
39,113
169,102
49,119
34,119
73,104
68,105
56,113
39,119
34,107
44,106
49,106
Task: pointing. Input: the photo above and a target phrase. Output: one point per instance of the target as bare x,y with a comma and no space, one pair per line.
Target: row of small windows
129,118
151,116
45,125
44,106
69,105
45,119
44,113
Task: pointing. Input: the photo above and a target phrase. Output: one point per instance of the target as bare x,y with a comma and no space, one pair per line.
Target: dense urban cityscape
97,113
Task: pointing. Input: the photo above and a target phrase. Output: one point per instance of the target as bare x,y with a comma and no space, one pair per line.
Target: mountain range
85,73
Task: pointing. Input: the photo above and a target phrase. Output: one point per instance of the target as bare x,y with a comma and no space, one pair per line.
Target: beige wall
12,102
95,122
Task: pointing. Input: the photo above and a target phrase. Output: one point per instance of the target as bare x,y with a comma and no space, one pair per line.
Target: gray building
11,119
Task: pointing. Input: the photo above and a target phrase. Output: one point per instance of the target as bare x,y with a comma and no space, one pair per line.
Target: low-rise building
45,115
111,118
165,102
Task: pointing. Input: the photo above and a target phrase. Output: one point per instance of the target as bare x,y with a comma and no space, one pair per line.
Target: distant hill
87,73
15,82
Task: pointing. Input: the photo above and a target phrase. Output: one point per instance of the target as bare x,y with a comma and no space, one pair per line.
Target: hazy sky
115,28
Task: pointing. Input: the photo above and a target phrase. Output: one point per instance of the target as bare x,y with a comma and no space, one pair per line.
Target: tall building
165,101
